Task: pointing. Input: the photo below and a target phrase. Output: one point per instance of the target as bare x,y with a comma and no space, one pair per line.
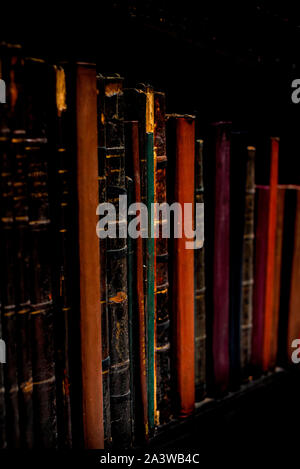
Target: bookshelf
229,62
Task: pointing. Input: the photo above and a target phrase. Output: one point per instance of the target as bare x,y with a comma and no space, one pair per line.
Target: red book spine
221,259
263,198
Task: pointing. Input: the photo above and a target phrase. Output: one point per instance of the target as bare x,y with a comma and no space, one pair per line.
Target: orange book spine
183,273
89,256
269,293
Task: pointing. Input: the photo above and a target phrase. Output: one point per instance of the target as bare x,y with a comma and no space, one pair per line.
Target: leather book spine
217,226
40,277
3,442
200,309
116,271
89,256
181,154
248,264
261,246
277,276
139,335
271,251
293,331
8,296
22,247
64,316
162,319
103,275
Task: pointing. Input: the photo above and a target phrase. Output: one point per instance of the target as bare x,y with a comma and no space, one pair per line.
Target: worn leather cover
260,269
103,275
112,143
162,319
246,305
200,308
40,277
89,256
141,427
281,190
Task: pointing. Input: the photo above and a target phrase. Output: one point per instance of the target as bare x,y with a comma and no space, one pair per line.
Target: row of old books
110,336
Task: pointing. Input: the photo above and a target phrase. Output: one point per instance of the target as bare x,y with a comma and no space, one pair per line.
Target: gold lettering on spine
61,93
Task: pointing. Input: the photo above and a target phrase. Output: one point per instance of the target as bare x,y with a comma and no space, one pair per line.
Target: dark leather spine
200,310
162,346
248,264
40,277
116,264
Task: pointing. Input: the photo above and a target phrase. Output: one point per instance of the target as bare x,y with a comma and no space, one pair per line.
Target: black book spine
62,201
3,443
111,112
41,288
103,276
162,317
8,296
23,307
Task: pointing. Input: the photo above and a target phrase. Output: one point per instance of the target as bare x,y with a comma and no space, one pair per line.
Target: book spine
277,276
217,253
271,252
130,282
21,216
248,264
89,256
181,151
103,275
44,391
63,311
40,275
261,237
8,296
293,331
150,281
200,313
116,256
162,319
3,443
141,403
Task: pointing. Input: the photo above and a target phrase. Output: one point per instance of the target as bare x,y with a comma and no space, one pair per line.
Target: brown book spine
181,153
294,300
248,264
277,276
200,310
162,319
89,256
